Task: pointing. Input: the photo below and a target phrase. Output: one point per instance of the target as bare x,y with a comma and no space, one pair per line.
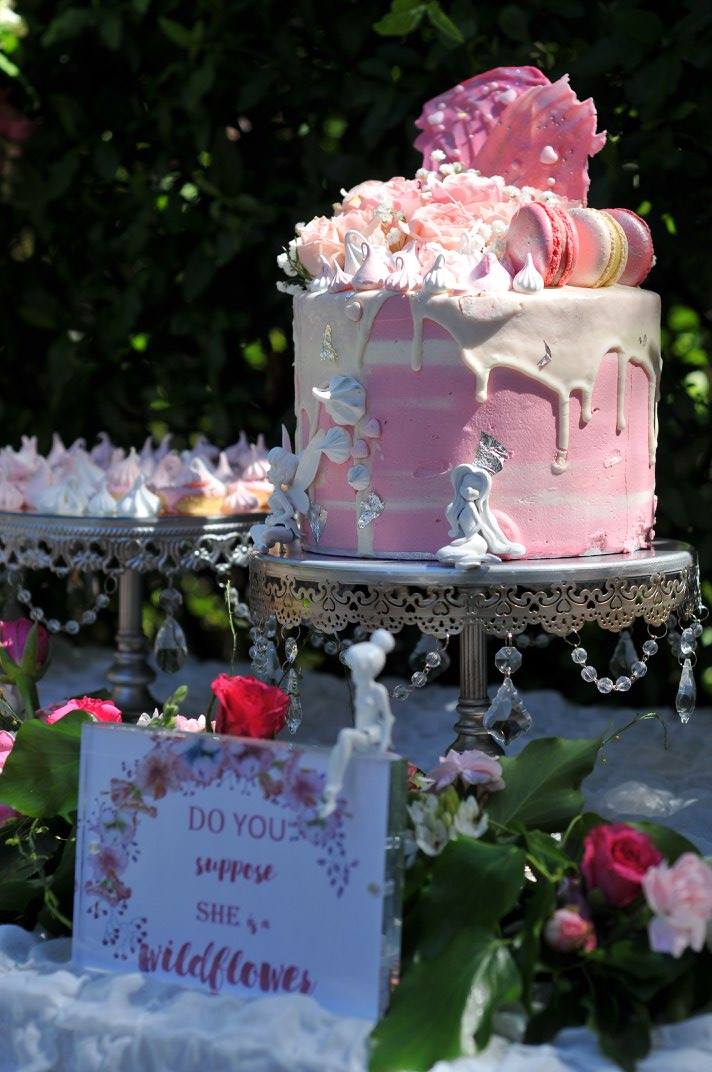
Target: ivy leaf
70,23
443,1004
542,783
444,24
41,775
669,842
404,17
493,873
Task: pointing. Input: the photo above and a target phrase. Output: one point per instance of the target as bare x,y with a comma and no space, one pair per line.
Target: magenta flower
13,638
7,740
472,768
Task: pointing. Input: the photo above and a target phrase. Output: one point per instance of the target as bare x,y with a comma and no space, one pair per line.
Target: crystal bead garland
619,661
170,647
264,661
507,717
290,680
430,659
72,626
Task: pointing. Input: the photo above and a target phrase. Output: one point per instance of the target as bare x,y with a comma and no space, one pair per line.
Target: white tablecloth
52,1018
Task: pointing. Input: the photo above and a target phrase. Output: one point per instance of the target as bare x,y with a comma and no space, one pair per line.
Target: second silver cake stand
123,550
557,595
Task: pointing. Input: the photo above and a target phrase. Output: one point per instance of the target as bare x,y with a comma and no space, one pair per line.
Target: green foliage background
176,144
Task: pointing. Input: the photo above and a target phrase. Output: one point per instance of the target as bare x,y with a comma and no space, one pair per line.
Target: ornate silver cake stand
557,595
123,550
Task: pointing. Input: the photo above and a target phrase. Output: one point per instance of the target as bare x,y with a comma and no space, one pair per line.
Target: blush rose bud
567,931
24,651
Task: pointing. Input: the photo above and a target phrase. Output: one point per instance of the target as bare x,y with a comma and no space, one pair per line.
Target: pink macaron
640,246
602,248
538,231
569,254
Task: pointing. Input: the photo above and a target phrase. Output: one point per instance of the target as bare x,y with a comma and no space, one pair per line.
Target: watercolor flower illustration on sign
182,765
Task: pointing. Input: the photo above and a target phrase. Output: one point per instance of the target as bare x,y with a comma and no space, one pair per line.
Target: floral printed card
203,860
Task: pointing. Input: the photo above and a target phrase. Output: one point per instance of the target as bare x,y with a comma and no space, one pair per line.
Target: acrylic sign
203,860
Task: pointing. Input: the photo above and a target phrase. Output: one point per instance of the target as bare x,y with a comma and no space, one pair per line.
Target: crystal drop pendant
686,693
507,717
170,647
508,660
624,655
294,714
291,649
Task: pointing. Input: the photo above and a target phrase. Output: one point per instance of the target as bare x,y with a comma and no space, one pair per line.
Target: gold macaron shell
619,252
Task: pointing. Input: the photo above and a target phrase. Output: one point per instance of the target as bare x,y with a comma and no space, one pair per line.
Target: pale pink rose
468,188
405,195
365,197
321,237
363,222
472,768
681,898
100,710
442,223
190,725
567,931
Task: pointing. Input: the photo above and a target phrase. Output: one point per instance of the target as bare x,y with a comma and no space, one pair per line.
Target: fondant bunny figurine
374,718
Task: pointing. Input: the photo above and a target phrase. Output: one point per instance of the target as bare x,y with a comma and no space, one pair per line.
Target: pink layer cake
476,367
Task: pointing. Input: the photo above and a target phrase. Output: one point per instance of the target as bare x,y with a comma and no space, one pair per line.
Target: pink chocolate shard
459,122
547,133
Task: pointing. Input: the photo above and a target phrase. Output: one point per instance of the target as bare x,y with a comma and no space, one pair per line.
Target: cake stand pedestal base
473,701
129,674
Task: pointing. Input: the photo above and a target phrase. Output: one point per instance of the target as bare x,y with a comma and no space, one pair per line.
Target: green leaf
41,774
492,875
181,35
542,783
622,1024
669,842
404,17
444,24
441,1005
539,905
16,895
69,23
110,29
6,65
546,855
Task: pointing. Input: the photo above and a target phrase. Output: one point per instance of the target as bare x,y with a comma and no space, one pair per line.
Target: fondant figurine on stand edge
373,716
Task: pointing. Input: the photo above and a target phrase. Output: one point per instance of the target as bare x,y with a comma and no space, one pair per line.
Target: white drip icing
507,330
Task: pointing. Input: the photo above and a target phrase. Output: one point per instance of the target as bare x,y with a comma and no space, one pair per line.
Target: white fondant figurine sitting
373,719
477,536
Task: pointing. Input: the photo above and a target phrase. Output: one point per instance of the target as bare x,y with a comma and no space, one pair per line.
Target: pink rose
190,725
615,859
363,222
100,710
468,188
473,768
7,741
444,223
681,898
365,197
567,931
320,238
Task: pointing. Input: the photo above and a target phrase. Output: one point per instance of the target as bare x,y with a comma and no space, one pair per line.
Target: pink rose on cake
403,195
468,188
445,223
321,237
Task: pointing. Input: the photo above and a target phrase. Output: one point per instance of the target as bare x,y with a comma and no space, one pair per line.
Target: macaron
602,248
534,231
640,246
570,251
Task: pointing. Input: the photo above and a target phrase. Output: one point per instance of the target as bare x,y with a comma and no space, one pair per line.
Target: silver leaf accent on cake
317,516
545,357
370,507
327,351
491,454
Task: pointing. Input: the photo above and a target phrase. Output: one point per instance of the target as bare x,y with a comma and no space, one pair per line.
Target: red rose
248,708
615,859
